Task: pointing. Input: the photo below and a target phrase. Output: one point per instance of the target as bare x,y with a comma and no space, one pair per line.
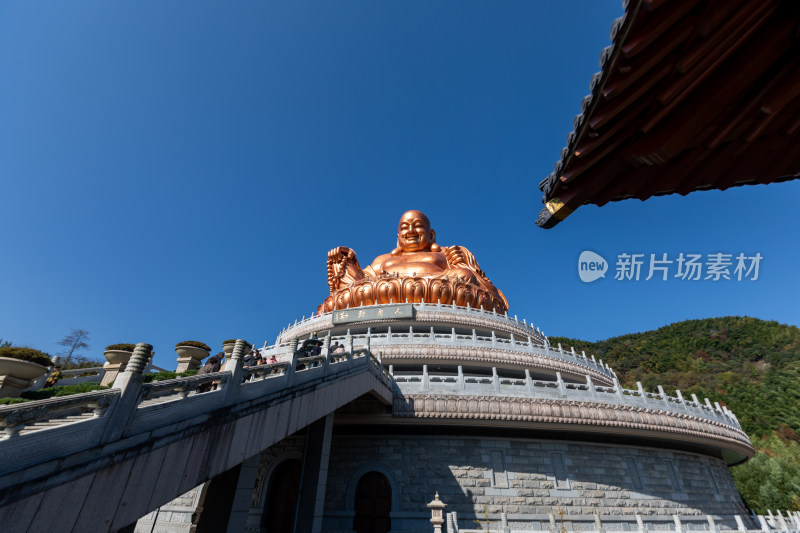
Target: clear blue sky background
179,170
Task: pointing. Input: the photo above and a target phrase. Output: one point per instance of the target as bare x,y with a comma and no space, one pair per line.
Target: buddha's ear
434,247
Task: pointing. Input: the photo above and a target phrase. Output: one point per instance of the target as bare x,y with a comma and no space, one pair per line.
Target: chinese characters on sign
373,312
686,266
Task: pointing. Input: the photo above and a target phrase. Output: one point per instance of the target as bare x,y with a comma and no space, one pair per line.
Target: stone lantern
437,511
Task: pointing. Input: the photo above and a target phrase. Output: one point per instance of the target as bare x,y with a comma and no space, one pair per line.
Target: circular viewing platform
459,366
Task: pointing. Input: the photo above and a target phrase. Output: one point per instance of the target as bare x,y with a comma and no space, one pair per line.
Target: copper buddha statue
417,270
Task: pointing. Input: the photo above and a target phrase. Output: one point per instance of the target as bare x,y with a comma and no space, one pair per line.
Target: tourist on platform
249,359
53,378
272,360
212,365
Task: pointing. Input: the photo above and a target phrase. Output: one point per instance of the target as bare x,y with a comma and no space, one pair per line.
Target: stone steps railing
133,407
585,392
446,308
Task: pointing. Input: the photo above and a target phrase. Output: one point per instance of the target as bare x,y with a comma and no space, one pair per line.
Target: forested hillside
750,365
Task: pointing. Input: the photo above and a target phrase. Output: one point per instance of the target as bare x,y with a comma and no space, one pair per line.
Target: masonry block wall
527,479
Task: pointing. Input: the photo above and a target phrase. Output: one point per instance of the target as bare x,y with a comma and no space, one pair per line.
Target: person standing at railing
337,349
212,365
250,359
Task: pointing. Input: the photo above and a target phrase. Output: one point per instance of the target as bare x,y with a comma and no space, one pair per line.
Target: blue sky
179,170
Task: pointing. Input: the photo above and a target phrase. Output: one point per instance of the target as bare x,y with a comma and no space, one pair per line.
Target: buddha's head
414,233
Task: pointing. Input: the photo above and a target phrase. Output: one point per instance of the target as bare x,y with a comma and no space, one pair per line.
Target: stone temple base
528,479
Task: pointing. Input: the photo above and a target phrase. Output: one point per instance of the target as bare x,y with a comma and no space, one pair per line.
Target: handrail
404,337
15,417
585,392
446,308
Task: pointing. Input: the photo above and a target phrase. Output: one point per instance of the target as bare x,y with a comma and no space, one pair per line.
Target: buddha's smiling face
414,233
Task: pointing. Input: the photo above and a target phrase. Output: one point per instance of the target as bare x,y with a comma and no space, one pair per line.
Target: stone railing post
618,390
234,366
598,525
460,381
739,523
130,385
782,521
529,381
642,392
681,400
712,526
640,524
495,379
425,381
326,353
678,525
562,388
590,385
290,370
662,394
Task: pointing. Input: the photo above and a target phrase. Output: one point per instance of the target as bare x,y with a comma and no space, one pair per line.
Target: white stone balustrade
412,337
36,431
584,392
452,309
642,524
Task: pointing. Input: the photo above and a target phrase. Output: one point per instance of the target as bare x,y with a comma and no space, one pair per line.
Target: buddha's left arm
458,256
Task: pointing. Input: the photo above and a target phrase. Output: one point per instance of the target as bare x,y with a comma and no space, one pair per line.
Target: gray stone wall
290,447
528,480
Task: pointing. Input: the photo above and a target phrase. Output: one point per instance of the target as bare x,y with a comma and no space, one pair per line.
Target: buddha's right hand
341,254
343,268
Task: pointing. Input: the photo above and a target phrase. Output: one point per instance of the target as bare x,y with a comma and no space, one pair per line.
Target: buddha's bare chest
420,263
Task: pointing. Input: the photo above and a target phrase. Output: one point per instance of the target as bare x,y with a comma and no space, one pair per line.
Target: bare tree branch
74,342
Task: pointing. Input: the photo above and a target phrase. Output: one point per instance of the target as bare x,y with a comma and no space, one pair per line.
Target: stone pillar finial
141,354
238,349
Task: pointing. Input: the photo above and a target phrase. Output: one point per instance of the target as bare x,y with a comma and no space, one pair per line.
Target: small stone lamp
437,511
